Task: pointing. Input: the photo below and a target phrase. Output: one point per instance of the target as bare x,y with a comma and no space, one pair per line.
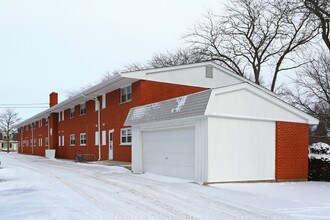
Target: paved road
36,188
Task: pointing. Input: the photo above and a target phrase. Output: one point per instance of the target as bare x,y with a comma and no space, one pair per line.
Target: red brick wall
291,150
38,132
112,117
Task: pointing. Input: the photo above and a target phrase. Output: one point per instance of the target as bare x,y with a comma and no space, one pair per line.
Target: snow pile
180,102
319,151
141,111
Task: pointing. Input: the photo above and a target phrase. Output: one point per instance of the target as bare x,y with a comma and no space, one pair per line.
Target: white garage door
170,152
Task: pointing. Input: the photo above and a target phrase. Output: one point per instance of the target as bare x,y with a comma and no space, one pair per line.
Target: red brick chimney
53,99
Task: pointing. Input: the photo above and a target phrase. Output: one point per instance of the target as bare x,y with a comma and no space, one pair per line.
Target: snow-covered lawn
36,188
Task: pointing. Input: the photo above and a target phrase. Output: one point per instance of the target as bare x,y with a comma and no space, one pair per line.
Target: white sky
62,45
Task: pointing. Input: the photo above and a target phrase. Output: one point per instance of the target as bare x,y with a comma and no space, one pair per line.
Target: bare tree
255,36
8,119
312,88
321,11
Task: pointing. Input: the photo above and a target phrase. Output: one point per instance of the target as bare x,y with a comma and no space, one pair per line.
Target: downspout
98,122
32,139
97,101
22,145
48,134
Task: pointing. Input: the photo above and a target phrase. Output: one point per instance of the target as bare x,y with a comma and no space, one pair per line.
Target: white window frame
46,121
96,104
104,137
72,112
104,105
59,116
40,123
63,143
85,138
82,111
124,132
59,141
72,139
97,138
63,115
34,142
127,93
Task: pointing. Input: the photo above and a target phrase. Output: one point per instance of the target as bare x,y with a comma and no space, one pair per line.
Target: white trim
80,144
126,136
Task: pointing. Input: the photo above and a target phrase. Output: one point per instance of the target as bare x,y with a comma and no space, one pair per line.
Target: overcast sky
62,45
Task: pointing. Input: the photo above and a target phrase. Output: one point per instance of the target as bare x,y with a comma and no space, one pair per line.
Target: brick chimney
53,99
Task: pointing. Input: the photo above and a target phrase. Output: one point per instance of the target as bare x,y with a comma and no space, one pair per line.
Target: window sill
125,102
126,144
82,145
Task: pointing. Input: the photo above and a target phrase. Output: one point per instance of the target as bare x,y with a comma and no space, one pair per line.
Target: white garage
226,134
170,152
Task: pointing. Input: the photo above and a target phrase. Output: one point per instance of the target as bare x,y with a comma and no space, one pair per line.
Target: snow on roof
180,107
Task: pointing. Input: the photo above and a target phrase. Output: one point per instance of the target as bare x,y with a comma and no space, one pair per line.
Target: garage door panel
170,152
169,145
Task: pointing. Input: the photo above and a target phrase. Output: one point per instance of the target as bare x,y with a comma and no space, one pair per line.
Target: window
40,142
126,136
46,122
83,140
72,112
40,123
46,141
97,138
104,137
34,142
63,115
103,101
34,125
63,140
5,137
59,116
97,104
59,141
126,94
83,109
72,140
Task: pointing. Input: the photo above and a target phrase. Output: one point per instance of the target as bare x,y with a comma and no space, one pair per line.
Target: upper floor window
63,115
46,122
40,123
34,125
72,112
103,101
126,94
83,109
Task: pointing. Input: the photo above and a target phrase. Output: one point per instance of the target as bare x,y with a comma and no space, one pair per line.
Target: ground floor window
83,140
72,140
126,136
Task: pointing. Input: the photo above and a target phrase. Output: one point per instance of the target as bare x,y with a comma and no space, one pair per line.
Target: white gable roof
190,74
250,102
240,101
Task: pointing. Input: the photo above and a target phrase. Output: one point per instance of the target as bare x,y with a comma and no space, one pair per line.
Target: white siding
193,76
241,150
247,104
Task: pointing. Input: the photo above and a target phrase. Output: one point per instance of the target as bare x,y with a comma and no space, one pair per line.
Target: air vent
209,72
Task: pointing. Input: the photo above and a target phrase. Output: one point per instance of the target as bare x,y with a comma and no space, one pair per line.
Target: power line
12,104
24,107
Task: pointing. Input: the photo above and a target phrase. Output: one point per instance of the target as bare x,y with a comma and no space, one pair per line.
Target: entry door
110,144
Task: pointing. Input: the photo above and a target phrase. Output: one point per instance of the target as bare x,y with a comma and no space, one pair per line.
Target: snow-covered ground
37,188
